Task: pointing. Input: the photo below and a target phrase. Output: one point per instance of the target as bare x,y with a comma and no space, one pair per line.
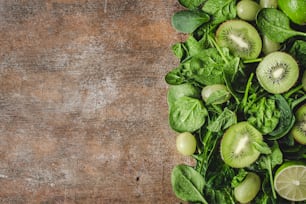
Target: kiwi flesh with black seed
299,129
237,149
277,72
240,37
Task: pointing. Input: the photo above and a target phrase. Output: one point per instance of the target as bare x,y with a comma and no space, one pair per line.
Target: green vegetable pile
215,93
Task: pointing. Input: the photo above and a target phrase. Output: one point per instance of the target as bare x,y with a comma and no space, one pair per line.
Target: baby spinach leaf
286,120
175,76
264,115
188,21
239,178
188,184
177,91
187,114
223,121
262,147
178,50
269,161
298,51
191,4
221,10
275,25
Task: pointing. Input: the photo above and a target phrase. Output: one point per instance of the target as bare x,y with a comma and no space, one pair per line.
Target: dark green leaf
187,114
187,184
221,10
188,21
191,4
286,120
224,120
298,51
175,77
239,178
275,25
262,147
177,91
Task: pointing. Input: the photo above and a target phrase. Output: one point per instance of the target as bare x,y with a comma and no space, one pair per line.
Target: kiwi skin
236,146
299,129
240,37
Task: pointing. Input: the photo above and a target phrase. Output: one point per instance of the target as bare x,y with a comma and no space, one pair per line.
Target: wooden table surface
83,112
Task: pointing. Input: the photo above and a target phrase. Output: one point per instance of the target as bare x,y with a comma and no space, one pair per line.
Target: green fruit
294,9
299,129
277,72
240,37
269,46
237,149
301,113
248,188
215,94
186,143
247,10
290,181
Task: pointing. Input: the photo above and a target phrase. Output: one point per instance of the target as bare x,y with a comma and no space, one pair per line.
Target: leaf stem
213,42
298,101
246,93
292,91
271,180
252,60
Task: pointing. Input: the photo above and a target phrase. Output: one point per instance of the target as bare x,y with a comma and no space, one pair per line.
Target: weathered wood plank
83,113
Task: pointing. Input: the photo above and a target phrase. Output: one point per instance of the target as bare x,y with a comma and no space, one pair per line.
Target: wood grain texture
83,113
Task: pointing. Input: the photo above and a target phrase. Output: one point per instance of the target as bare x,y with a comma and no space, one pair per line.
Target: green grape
247,10
248,188
269,46
186,143
215,94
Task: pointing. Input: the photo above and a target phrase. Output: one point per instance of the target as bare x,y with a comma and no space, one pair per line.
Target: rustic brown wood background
83,113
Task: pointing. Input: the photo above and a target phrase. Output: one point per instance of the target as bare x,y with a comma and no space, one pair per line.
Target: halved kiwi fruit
237,149
277,72
299,129
240,37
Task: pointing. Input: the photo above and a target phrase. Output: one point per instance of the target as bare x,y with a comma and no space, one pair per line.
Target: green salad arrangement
237,101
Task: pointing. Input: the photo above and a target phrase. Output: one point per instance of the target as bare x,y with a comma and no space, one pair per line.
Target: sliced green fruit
240,37
237,148
277,72
290,181
299,129
294,9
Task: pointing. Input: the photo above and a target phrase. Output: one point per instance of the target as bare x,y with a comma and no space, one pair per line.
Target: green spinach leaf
191,4
187,114
275,25
264,115
177,91
226,119
187,184
286,120
221,10
298,51
188,21
268,162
